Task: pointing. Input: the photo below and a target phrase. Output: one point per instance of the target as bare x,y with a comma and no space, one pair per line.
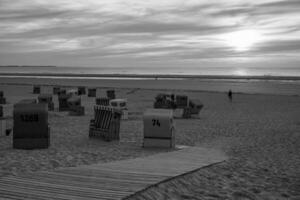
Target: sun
242,40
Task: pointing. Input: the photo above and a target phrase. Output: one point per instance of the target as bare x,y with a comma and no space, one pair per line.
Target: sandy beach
259,131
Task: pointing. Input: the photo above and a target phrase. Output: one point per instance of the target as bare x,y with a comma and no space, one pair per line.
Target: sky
151,34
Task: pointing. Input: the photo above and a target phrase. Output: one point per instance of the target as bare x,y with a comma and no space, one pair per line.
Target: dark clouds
160,29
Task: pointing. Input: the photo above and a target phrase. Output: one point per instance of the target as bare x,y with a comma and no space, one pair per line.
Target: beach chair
36,89
47,99
2,122
120,104
56,90
159,129
182,101
103,101
74,105
106,123
62,92
63,102
72,92
111,94
92,92
195,106
81,90
166,101
2,98
30,128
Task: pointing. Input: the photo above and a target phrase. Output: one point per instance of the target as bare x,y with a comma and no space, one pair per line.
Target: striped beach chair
106,123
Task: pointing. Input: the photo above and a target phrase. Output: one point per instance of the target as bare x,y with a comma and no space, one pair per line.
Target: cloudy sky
161,33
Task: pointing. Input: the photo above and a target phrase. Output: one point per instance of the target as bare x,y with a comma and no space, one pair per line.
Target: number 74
155,122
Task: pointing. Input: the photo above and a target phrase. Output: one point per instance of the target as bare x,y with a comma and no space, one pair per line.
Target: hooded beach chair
182,101
81,90
106,123
36,89
2,98
74,105
92,92
30,128
120,104
47,99
102,101
56,90
63,102
159,129
195,106
111,94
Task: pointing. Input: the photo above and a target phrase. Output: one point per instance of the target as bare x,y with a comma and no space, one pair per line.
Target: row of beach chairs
79,91
31,129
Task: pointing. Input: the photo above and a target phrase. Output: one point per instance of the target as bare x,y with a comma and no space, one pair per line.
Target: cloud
164,30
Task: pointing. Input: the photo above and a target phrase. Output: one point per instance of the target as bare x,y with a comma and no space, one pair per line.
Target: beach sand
260,133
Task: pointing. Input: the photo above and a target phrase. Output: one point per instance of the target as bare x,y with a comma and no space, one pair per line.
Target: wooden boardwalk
115,180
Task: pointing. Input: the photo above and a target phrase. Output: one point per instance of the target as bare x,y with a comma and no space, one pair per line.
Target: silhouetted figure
230,95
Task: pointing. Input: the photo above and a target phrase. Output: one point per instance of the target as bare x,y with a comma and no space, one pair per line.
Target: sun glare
242,40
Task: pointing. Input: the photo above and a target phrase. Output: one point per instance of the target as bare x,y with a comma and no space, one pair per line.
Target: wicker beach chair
36,89
30,129
47,99
120,104
2,98
111,94
63,102
182,101
195,106
106,123
56,90
92,92
81,90
74,105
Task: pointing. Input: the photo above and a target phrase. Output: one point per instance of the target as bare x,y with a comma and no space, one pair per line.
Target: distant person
230,95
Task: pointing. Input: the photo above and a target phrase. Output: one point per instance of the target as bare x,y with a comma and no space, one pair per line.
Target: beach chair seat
106,123
47,99
103,101
30,126
81,90
92,92
159,129
36,89
111,94
74,105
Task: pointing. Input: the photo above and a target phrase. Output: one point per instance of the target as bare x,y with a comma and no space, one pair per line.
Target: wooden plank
115,180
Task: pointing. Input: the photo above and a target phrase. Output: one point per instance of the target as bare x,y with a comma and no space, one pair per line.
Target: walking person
230,95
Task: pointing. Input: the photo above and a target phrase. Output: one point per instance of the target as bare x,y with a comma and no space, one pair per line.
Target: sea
201,71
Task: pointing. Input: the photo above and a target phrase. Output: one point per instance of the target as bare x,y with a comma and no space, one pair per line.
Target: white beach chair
159,129
120,104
